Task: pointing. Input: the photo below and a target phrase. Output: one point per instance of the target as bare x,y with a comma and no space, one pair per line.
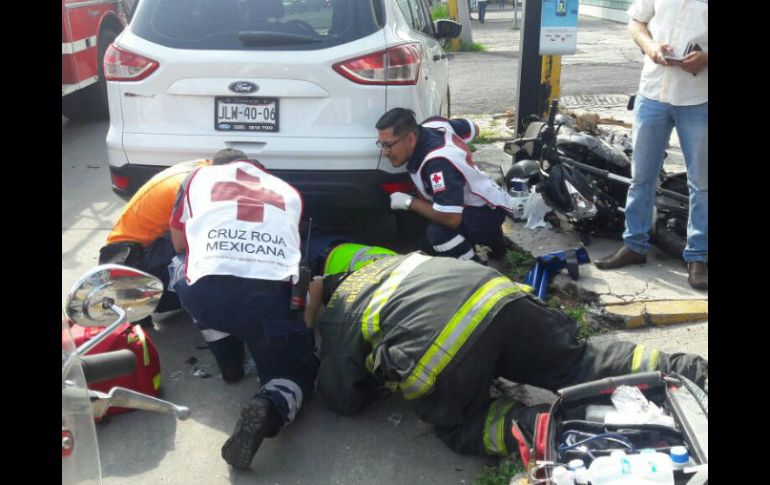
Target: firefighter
329,254
239,226
140,237
463,205
440,330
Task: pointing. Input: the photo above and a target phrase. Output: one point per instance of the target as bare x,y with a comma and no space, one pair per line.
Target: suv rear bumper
366,190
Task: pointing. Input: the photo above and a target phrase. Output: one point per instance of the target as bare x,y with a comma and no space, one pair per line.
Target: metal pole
454,44
530,65
550,82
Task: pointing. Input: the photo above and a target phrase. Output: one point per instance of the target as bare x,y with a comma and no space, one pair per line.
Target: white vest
255,236
479,189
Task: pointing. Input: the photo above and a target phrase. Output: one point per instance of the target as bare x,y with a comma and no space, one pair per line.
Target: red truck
88,27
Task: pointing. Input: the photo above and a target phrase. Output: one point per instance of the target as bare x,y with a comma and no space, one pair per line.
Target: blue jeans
653,122
482,11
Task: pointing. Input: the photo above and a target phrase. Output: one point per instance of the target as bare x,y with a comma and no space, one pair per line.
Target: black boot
499,247
259,419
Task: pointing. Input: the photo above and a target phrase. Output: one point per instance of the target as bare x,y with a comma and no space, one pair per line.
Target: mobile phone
673,58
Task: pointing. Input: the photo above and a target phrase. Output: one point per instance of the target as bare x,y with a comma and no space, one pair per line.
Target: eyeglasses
389,145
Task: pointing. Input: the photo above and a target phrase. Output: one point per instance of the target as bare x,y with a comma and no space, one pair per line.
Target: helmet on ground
528,170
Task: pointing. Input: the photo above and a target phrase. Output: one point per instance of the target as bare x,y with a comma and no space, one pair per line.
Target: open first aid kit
637,429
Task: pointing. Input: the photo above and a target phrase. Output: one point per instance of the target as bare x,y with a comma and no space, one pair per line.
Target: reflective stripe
71,88
494,427
355,258
370,323
78,45
652,364
644,360
452,243
291,393
636,359
156,382
467,256
450,209
454,335
211,335
88,3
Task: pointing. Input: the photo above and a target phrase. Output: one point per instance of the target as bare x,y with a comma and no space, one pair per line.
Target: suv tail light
392,187
122,65
396,65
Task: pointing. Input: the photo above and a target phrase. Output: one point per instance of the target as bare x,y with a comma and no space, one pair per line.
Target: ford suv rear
298,85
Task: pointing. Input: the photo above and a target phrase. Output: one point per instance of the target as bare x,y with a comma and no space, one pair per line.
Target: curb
658,312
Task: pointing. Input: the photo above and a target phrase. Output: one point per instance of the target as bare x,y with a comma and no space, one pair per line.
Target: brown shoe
623,257
698,275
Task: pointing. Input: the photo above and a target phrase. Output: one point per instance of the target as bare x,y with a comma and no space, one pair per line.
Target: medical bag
575,429
146,376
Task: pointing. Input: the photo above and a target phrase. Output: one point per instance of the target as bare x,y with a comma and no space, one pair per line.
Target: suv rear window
255,24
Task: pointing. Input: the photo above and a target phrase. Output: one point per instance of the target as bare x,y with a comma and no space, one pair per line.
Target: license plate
246,114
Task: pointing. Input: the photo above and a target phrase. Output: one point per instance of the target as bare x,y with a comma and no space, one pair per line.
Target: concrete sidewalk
653,294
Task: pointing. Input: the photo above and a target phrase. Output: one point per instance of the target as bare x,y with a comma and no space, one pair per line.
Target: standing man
482,10
440,331
140,237
464,206
239,226
673,92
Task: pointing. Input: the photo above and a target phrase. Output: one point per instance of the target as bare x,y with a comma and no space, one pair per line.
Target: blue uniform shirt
440,178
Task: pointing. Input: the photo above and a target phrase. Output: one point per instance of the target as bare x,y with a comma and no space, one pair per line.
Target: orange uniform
147,215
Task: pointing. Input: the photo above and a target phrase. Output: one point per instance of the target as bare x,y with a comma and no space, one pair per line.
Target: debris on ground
201,372
395,419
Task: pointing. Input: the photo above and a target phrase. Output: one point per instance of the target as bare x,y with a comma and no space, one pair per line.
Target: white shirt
677,23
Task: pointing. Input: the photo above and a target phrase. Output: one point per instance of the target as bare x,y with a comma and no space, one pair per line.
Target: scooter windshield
80,451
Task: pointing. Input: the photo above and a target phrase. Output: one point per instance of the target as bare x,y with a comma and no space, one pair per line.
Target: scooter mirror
90,300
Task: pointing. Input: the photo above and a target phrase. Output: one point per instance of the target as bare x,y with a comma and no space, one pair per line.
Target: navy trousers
154,259
256,312
481,225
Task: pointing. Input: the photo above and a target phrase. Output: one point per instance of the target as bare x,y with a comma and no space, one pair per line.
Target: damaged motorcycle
585,178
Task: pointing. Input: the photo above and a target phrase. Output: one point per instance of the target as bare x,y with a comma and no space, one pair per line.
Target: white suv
296,84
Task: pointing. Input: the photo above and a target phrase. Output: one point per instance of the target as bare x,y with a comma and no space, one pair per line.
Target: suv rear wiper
262,37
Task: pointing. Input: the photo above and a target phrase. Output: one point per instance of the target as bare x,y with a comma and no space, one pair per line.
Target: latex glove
400,201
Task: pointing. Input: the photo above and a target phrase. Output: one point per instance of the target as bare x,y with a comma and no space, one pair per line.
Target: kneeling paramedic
464,206
240,228
140,237
440,331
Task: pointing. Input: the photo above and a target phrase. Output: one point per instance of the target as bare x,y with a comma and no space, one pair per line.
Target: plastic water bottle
562,476
579,472
646,467
654,467
680,457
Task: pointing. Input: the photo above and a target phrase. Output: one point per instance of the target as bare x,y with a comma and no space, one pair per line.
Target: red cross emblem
436,178
250,195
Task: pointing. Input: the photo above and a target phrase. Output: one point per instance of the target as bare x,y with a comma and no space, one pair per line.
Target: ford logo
243,87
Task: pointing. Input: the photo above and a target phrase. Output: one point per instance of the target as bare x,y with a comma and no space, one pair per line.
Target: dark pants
256,312
482,11
480,225
526,343
153,259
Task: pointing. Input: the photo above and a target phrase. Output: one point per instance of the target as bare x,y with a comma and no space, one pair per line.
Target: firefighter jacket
402,322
